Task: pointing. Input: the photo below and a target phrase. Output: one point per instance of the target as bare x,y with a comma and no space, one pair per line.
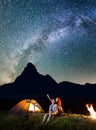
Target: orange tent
25,106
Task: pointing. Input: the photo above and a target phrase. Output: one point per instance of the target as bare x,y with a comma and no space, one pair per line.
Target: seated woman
59,103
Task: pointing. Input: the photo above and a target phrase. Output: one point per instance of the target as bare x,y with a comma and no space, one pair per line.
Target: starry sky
57,36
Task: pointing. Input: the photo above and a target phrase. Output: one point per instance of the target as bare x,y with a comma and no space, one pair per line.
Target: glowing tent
25,106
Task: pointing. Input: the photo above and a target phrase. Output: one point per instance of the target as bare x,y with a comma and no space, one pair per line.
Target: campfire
91,110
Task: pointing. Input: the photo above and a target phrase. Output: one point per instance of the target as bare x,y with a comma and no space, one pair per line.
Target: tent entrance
33,108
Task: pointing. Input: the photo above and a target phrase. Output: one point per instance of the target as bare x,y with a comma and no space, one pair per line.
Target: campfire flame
91,110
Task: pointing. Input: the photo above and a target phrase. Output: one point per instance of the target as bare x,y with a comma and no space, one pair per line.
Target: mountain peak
30,67
28,72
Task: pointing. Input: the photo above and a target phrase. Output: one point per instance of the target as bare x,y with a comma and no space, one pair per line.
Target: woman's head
57,99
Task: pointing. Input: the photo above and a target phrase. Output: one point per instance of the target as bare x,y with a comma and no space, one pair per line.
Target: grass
33,122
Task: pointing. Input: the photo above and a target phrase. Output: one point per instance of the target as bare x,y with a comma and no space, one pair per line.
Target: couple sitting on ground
54,109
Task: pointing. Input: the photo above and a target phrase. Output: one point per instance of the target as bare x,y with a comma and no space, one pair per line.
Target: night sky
57,36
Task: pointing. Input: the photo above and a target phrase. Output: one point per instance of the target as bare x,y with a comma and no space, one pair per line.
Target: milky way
57,36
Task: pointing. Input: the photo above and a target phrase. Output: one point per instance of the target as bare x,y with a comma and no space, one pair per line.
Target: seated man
53,110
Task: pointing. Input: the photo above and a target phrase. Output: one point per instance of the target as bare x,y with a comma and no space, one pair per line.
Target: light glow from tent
33,108
91,110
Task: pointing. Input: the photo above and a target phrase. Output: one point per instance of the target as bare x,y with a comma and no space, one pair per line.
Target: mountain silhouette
32,84
29,83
